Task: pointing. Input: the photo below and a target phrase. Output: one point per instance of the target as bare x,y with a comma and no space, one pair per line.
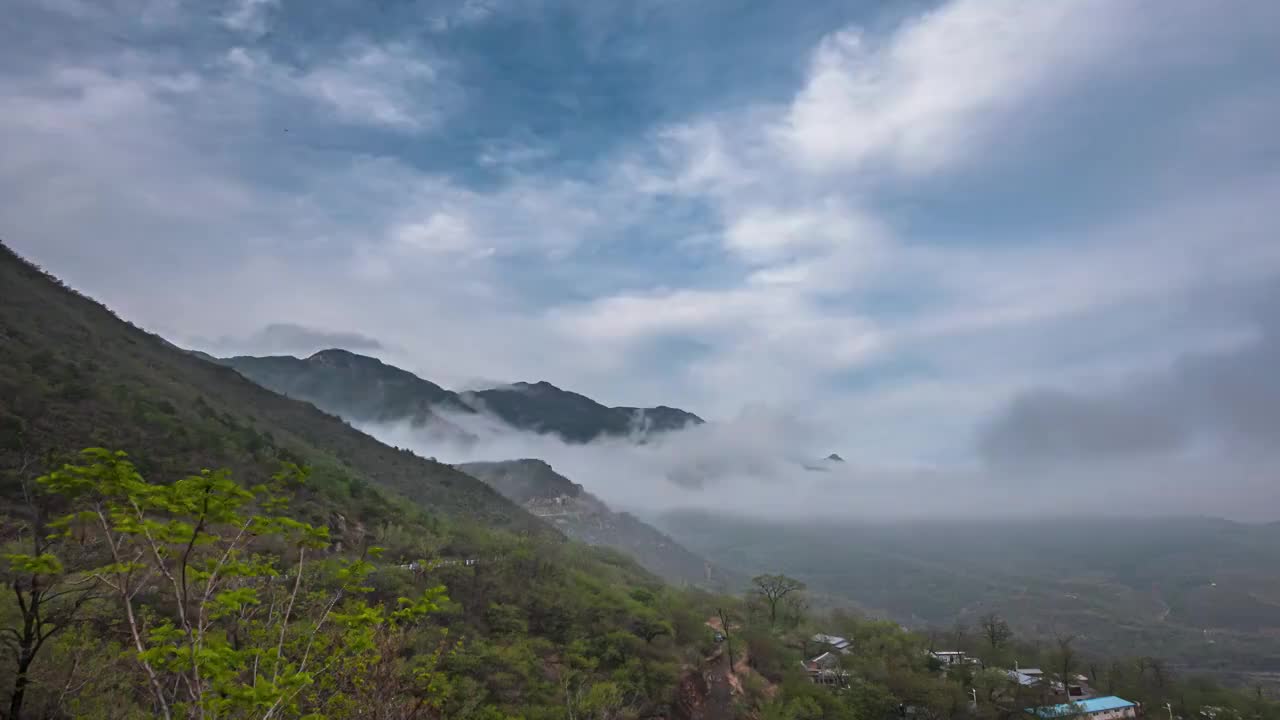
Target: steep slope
73,375
577,513
364,389
358,388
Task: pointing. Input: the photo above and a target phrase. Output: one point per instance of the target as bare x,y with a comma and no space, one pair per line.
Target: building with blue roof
1109,707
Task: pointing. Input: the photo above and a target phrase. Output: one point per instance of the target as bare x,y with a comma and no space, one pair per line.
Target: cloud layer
953,235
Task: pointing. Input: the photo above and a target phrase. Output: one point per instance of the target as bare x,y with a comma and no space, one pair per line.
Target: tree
772,589
49,598
794,608
1066,663
236,636
725,620
649,627
992,684
995,630
960,631
1159,671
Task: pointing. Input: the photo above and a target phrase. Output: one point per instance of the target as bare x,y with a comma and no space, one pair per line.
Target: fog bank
766,464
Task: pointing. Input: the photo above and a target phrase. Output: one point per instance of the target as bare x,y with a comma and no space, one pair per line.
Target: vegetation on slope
72,375
206,597
537,487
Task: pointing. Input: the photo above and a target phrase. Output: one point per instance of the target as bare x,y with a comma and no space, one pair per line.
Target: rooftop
1023,678
1092,705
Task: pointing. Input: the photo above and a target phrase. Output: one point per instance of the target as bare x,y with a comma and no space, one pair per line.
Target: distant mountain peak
824,466
338,356
539,386
362,388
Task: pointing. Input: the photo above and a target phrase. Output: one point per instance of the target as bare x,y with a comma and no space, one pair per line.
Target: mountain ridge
366,389
73,374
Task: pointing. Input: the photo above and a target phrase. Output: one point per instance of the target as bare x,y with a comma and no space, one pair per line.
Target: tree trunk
25,656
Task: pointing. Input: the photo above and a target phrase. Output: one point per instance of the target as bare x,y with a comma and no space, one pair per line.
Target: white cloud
919,99
795,277
790,184
393,86
251,17
764,235
440,232
459,14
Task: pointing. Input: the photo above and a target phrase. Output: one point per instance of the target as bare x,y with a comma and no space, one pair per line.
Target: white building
949,657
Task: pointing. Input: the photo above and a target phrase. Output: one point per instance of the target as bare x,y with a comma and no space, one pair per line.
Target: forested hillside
541,490
72,375
362,389
235,593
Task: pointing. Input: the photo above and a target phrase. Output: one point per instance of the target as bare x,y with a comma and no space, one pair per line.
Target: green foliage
221,601
230,639
774,590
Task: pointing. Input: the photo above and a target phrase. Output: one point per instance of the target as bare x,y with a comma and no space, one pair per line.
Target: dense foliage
206,597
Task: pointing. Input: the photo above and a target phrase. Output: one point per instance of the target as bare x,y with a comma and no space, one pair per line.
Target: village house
1099,708
825,669
1078,689
833,643
949,657
1026,677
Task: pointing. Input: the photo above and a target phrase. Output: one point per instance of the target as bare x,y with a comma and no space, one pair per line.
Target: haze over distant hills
547,494
1201,592
363,389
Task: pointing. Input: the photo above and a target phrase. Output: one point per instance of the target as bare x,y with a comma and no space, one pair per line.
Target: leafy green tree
649,627
772,589
49,598
223,631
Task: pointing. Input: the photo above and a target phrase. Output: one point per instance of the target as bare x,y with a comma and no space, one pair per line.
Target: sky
980,237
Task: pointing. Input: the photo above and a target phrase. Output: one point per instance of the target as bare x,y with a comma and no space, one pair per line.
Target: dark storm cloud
1226,404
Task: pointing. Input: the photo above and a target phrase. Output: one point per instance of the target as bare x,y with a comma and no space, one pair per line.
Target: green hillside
73,375
364,389
536,486
424,592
